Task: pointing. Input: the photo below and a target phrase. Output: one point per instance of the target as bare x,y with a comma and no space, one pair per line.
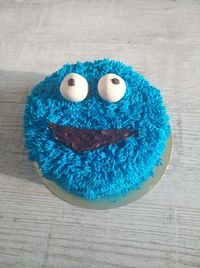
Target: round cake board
112,202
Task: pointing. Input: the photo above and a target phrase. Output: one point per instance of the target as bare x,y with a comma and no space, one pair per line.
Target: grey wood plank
161,39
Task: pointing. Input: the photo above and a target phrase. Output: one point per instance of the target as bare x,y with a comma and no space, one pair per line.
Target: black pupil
71,82
115,81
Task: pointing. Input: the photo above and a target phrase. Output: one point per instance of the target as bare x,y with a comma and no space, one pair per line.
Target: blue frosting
109,171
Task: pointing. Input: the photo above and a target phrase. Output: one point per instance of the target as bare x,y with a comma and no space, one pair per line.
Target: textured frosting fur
109,171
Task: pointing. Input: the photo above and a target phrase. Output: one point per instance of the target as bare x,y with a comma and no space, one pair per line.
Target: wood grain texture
162,40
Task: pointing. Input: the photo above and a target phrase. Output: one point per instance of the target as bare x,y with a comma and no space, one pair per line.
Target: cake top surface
112,169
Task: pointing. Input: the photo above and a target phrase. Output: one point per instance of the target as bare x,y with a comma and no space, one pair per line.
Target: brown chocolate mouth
82,139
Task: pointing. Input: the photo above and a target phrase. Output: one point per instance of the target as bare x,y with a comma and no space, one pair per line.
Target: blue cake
97,129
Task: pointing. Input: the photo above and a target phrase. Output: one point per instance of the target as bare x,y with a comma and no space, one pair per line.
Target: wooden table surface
161,39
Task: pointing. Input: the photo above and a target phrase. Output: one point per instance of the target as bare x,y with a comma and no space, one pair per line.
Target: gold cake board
111,202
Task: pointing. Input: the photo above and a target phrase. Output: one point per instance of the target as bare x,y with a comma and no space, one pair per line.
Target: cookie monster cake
96,129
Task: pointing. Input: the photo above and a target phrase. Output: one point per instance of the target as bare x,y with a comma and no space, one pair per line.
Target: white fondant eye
74,87
111,87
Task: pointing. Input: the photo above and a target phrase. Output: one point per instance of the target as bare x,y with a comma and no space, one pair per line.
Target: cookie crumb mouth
83,139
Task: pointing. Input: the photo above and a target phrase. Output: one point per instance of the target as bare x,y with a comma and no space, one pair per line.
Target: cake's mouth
83,139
